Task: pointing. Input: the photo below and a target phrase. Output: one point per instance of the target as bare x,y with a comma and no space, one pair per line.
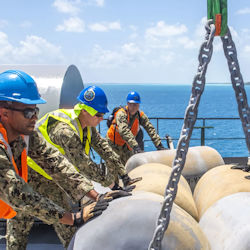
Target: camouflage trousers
123,151
18,228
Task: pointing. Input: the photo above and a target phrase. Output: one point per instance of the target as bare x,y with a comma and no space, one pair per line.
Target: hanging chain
205,54
238,84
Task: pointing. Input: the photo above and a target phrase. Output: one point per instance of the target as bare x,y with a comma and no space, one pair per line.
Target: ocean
170,101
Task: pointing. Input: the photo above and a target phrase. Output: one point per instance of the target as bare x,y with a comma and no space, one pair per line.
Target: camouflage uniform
123,127
29,199
62,134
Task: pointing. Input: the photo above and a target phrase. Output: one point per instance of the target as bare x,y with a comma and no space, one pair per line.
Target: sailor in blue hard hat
125,134
19,94
74,133
31,169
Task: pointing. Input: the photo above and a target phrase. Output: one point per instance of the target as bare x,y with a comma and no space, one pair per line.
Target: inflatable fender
155,177
129,223
226,223
199,159
218,183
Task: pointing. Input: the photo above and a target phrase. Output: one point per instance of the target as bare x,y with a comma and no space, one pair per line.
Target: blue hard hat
133,97
94,97
18,86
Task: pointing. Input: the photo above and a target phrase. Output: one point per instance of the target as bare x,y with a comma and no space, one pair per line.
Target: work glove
160,147
89,212
115,194
128,181
137,150
245,168
127,188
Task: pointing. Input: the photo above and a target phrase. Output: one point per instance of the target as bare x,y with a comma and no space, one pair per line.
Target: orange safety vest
7,211
114,135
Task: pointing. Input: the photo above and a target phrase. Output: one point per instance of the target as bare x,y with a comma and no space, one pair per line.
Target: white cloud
33,50
163,35
3,23
243,11
67,6
6,48
134,34
26,24
247,48
186,42
105,26
73,24
164,30
126,55
99,3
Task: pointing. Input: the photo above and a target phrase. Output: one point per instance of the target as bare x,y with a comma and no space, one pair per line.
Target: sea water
170,101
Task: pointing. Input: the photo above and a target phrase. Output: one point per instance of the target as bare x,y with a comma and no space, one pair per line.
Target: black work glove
245,168
160,147
89,212
104,197
115,194
128,188
137,150
128,181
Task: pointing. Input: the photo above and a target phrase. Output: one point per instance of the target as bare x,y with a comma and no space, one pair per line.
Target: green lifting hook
217,10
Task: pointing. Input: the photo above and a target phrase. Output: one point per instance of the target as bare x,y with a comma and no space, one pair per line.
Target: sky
119,41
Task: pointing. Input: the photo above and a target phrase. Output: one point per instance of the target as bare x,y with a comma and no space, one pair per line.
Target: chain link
204,58
205,54
238,84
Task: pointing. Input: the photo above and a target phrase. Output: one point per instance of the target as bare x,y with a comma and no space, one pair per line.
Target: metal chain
238,84
205,54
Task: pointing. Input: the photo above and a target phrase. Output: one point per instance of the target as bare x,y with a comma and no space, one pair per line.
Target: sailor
125,127
74,133
42,193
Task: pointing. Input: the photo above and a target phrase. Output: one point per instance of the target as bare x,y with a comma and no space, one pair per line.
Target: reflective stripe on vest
66,116
6,211
113,132
37,168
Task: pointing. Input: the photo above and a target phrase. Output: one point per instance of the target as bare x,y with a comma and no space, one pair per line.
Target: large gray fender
129,223
199,159
218,183
226,223
154,179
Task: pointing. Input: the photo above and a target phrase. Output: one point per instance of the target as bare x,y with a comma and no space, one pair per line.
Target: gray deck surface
41,237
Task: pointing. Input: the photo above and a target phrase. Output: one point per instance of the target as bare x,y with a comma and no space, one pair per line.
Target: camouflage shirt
62,134
124,128
20,195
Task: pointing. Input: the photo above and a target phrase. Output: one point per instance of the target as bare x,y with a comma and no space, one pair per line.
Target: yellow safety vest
63,115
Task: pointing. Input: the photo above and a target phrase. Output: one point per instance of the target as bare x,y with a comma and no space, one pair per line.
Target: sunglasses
99,114
28,113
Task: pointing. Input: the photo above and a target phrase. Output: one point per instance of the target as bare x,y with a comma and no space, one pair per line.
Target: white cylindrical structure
199,159
129,223
226,223
155,178
218,183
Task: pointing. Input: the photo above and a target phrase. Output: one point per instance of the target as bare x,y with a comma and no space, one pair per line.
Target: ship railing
203,128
